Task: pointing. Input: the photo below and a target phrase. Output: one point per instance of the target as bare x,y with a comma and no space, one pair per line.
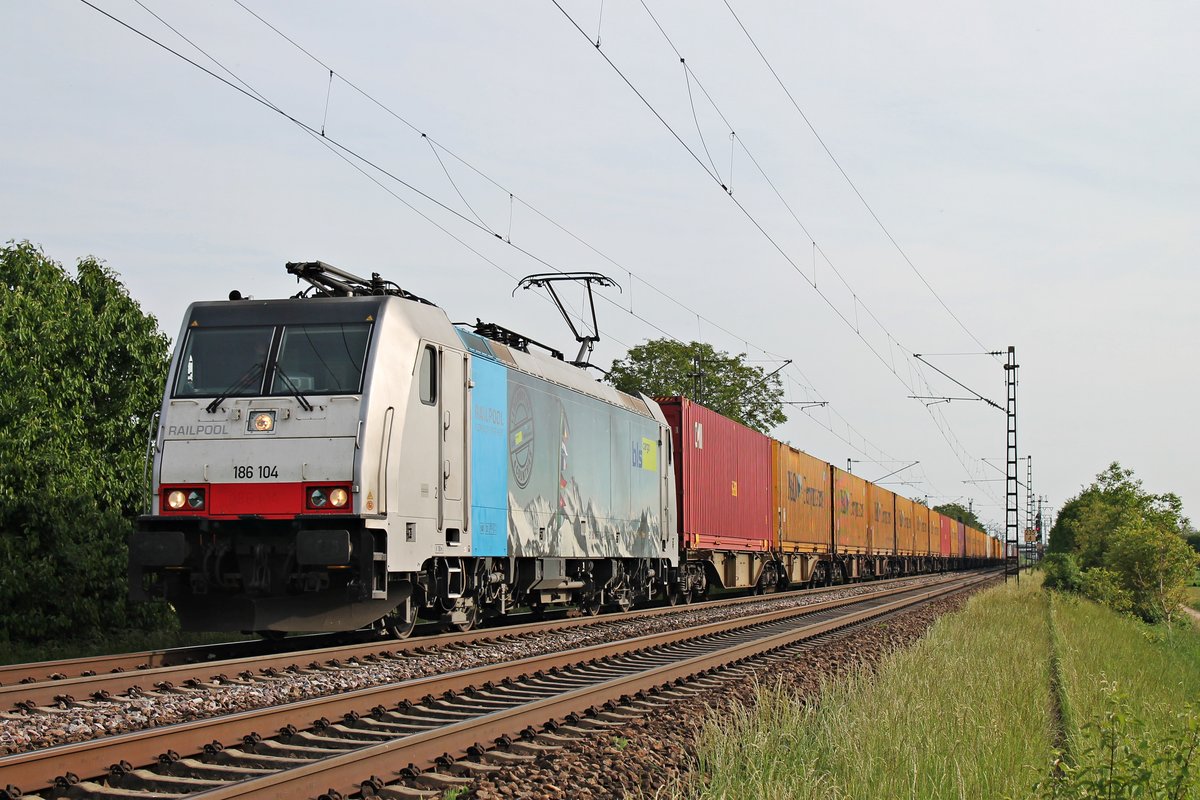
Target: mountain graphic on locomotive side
349,457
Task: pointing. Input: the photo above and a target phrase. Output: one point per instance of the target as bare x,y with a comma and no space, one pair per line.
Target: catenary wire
854,327
351,157
434,142
851,183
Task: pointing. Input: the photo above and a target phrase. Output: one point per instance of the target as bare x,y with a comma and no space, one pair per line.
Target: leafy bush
1104,586
1086,522
1154,564
1061,572
81,372
1124,760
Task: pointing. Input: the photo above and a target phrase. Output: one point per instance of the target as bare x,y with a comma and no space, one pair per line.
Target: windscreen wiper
307,406
241,383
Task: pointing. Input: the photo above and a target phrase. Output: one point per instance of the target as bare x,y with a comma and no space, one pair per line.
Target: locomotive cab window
224,361
428,377
321,359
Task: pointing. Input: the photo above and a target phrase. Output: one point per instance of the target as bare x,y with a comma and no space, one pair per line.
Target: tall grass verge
963,714
1156,668
1132,690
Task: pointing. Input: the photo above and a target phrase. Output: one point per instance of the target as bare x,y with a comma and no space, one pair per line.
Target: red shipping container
947,525
722,479
961,530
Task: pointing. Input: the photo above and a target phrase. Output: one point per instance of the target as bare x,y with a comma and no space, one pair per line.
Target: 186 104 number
245,472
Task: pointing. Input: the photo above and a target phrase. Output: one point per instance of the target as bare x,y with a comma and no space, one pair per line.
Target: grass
963,714
982,707
1155,668
118,642
1193,597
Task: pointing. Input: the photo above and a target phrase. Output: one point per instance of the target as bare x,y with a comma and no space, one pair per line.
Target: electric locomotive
349,457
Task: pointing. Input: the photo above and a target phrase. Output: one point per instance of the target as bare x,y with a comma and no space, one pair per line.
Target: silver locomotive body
328,462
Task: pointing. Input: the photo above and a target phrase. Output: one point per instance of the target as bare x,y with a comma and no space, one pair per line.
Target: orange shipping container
921,528
849,512
801,499
881,514
946,532
906,530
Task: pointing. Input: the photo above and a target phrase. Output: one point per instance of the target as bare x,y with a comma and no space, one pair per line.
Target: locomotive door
666,455
452,440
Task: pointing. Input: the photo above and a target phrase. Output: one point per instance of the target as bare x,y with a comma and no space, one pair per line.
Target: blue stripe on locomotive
489,458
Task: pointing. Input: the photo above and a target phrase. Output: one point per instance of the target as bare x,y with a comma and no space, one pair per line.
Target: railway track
62,683
399,730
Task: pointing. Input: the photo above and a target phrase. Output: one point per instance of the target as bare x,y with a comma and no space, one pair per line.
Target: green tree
1061,572
1114,498
1193,538
960,514
726,383
82,369
1154,564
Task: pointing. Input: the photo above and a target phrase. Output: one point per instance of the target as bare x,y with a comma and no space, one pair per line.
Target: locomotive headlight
176,499
338,497
263,421
195,499
317,498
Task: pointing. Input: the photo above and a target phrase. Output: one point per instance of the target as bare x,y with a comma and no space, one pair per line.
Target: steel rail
65,668
83,687
345,773
38,769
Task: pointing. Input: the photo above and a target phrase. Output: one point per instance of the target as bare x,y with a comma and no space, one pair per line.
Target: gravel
22,731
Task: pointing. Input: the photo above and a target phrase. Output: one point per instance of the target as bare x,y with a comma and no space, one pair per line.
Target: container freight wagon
945,528
851,537
959,546
723,489
881,521
920,530
906,529
802,502
881,531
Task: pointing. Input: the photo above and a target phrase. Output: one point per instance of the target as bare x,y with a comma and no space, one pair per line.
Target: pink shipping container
946,526
960,539
722,479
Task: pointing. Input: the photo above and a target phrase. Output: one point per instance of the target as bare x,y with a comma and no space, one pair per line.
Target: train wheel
474,615
400,623
673,596
591,604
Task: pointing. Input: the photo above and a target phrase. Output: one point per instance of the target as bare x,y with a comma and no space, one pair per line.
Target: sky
939,178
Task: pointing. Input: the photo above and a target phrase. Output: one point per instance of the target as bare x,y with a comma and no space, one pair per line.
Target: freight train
349,457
